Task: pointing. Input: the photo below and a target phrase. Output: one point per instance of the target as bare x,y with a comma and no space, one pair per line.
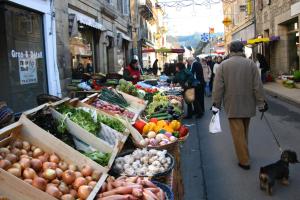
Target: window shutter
126,7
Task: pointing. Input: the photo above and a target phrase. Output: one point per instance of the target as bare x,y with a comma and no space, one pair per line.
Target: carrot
147,196
148,183
115,197
119,190
137,192
118,183
148,192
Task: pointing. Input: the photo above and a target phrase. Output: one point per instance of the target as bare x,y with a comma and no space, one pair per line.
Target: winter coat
184,78
197,72
129,72
237,83
206,73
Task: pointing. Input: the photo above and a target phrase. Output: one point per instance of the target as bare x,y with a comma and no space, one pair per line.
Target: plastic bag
215,125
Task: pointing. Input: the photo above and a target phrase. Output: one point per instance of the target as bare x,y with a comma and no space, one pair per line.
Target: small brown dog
277,171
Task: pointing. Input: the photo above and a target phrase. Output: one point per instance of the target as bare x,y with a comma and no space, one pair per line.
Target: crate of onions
36,165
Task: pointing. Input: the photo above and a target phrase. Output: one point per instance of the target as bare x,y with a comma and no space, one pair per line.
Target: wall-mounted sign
27,71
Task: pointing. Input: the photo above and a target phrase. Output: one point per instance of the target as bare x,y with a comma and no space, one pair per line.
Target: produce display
160,132
128,87
143,162
98,157
110,95
114,109
90,120
162,109
81,117
44,119
131,188
47,172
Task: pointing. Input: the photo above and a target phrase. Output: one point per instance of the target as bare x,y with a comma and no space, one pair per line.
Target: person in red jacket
132,72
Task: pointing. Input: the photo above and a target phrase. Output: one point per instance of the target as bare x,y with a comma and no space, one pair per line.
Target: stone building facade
279,18
92,36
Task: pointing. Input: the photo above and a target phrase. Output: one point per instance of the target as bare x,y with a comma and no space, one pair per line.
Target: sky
188,20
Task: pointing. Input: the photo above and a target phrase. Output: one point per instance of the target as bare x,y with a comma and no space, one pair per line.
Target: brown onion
17,165
86,170
63,188
96,175
49,174
78,174
63,165
73,193
26,146
17,144
79,182
54,158
92,184
37,152
73,167
55,182
30,153
68,177
5,164
32,148
23,152
11,157
15,171
29,181
16,151
67,197
36,164
59,172
49,165
88,179
4,151
39,183
53,191
25,163
84,191
29,173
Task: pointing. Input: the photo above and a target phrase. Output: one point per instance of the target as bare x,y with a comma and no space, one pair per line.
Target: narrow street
209,165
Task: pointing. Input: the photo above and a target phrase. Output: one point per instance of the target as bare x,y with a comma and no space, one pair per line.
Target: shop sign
27,65
27,71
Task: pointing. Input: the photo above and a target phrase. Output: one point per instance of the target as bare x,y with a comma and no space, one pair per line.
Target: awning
86,20
147,42
124,36
163,50
262,40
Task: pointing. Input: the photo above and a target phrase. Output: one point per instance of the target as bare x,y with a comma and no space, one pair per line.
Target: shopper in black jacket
198,84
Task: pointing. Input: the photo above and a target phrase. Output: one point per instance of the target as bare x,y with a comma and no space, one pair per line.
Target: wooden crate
121,137
80,133
92,98
14,188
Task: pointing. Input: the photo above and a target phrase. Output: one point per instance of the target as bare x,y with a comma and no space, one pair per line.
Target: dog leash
272,131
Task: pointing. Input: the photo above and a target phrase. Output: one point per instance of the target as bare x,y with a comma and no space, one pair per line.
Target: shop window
82,52
23,73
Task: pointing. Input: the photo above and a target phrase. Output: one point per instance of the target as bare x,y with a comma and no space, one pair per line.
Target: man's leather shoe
245,167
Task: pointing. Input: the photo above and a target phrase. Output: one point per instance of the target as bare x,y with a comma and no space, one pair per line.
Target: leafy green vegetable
113,97
112,123
99,157
83,118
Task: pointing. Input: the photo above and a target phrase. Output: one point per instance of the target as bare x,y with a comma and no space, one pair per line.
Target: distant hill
189,40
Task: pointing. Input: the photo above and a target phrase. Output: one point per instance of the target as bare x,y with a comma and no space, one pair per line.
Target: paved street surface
209,165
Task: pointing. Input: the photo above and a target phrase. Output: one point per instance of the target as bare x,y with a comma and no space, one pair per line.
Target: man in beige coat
238,85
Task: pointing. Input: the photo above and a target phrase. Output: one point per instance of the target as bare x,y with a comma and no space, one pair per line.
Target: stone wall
273,18
113,22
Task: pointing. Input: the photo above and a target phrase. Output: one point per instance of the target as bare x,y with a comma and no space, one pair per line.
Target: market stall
116,143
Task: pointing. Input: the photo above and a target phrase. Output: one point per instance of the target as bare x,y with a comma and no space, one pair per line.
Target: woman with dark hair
132,72
155,67
263,65
183,77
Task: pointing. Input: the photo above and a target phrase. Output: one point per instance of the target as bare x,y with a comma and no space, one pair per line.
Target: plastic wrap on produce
110,135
